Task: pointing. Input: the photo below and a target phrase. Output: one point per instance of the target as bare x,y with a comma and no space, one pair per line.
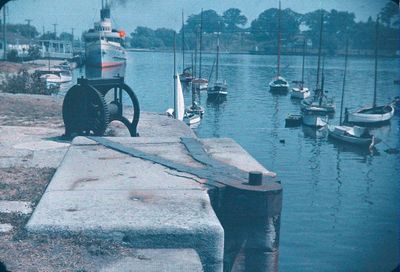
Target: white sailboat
301,92
200,83
353,135
279,84
220,88
374,115
178,112
319,103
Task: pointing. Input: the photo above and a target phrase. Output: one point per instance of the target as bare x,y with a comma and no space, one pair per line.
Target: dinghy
354,135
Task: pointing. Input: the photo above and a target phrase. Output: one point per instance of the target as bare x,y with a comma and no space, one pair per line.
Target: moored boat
279,85
313,120
220,88
375,115
103,44
301,92
354,135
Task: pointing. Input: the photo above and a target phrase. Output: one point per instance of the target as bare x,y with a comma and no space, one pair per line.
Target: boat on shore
103,44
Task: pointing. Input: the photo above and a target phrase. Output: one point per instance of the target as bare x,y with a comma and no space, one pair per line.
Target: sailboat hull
300,93
345,134
312,120
372,116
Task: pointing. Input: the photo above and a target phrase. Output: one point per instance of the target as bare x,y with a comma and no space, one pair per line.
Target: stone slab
4,228
20,207
102,193
156,260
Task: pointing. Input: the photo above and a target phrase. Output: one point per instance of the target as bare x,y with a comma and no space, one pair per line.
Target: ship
104,46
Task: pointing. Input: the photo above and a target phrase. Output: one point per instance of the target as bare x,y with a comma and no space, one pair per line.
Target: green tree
34,52
65,36
233,18
212,22
28,31
166,35
265,27
390,14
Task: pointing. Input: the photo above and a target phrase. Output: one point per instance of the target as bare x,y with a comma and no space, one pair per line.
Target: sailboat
279,84
178,112
301,92
220,88
319,103
374,115
187,73
350,134
195,108
200,83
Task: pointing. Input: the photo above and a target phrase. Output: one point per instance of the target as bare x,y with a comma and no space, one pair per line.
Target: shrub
12,55
23,82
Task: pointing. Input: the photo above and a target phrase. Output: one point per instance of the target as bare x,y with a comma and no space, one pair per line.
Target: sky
128,14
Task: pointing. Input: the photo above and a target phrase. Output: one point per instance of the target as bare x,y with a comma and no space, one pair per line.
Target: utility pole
72,33
43,30
55,31
4,33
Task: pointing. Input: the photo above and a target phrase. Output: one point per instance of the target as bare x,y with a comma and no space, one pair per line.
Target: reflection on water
340,202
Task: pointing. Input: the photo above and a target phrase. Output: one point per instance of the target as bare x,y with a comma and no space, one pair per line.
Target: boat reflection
313,133
105,72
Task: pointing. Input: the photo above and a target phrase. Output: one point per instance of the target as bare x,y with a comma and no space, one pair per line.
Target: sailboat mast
217,63
279,40
183,42
376,60
195,53
302,66
344,81
201,41
175,104
320,48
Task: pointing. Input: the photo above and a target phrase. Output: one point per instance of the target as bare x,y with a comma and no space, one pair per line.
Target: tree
212,22
49,36
34,52
265,27
144,37
233,18
65,36
390,14
166,35
28,31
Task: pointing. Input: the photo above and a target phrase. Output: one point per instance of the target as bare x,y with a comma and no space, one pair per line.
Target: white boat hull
346,134
299,93
361,117
317,121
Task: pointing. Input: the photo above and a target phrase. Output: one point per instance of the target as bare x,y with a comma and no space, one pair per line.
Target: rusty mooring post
251,220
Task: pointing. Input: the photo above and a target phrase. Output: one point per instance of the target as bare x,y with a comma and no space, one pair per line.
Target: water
340,203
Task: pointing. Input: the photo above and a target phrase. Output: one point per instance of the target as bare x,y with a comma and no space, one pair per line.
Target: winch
86,110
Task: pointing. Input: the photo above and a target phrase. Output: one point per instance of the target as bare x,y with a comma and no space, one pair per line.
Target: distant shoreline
259,53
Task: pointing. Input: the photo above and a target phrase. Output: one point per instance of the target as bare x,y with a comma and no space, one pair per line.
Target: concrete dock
144,214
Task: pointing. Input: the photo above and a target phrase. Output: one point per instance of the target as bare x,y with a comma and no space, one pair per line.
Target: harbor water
340,202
